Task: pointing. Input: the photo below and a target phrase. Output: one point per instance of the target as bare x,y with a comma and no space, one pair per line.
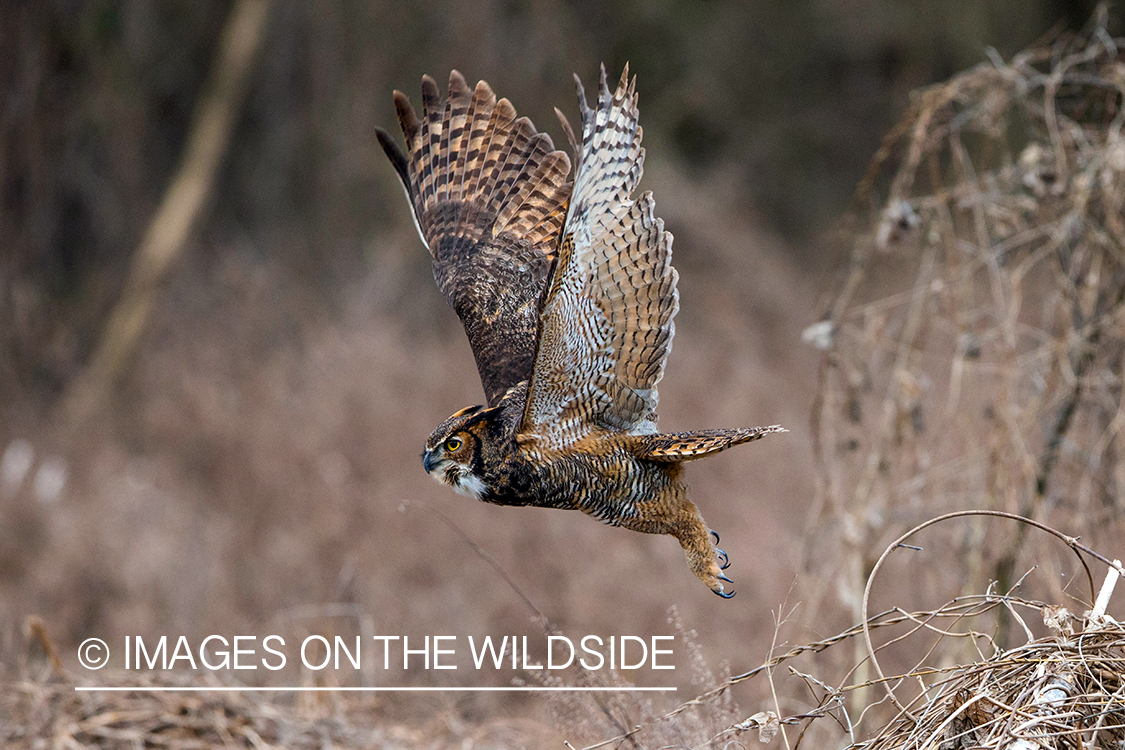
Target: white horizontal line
404,689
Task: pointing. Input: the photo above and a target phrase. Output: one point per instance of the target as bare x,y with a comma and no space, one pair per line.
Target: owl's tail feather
686,446
473,169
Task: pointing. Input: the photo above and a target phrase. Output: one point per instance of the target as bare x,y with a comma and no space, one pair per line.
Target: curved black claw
714,534
725,594
722,555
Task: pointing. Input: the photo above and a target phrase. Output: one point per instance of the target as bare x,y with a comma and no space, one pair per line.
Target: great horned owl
567,295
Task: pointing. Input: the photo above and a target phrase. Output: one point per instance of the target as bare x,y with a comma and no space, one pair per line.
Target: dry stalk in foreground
1080,669
1063,691
1071,685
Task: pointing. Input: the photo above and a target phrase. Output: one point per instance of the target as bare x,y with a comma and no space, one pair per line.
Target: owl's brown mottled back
567,294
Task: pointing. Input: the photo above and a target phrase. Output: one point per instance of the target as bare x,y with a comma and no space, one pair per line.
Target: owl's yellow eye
453,444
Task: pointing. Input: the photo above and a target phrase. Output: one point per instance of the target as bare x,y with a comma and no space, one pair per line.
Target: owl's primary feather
567,294
488,195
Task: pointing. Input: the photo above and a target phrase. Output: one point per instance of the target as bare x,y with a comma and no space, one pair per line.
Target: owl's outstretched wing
489,195
606,324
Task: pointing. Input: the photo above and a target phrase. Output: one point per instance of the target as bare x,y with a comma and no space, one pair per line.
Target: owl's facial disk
450,454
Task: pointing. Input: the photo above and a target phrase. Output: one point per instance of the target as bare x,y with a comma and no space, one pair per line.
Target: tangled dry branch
992,377
1064,691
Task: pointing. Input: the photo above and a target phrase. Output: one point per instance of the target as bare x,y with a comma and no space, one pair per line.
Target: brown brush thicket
974,355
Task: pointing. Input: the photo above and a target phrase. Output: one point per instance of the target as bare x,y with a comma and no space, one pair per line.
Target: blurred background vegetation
255,454
781,104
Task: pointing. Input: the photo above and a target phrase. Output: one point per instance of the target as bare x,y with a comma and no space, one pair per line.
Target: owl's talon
714,534
722,555
718,588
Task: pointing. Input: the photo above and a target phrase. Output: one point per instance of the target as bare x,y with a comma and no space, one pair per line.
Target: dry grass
989,376
1063,690
53,715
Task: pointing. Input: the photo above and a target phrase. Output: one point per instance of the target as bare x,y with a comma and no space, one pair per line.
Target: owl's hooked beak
458,476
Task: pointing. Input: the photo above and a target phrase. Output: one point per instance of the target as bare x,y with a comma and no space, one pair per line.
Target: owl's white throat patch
463,481
470,485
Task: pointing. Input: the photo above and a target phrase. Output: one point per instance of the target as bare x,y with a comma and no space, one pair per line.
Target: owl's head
455,452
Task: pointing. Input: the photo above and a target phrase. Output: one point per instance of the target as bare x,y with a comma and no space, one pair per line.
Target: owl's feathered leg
673,514
703,557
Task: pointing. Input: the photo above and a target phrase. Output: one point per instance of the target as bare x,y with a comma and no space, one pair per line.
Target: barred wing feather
488,194
606,324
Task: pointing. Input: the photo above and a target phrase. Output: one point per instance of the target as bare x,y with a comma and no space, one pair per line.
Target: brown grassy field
255,468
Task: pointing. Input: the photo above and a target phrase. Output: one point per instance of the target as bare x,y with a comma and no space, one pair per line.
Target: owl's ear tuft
466,411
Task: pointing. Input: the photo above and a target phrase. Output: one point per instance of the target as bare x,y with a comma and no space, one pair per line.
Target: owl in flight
567,294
